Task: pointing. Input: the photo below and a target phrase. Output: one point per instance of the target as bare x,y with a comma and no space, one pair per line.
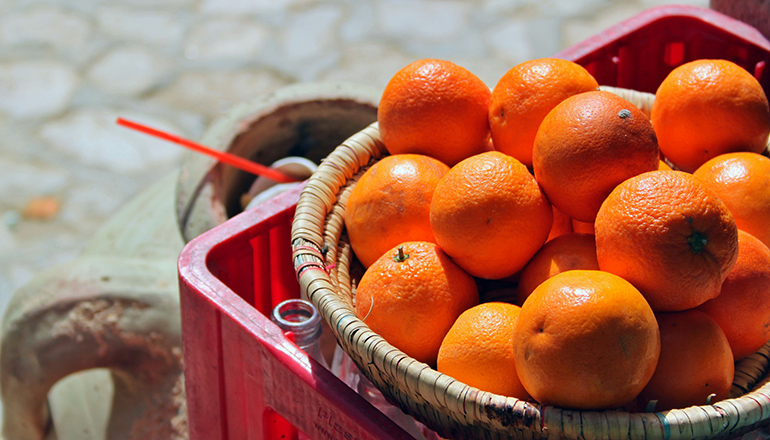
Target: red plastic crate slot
759,69
284,283
673,53
260,274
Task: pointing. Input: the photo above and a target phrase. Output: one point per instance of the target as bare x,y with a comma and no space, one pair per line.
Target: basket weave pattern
322,259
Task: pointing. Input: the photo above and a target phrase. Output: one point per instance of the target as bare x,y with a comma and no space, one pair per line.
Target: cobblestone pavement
68,68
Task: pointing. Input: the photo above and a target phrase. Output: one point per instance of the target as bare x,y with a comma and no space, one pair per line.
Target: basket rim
314,267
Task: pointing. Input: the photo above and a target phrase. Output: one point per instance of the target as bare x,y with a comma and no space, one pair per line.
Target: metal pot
304,120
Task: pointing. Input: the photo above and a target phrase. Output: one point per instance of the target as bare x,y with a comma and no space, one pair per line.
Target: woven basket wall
323,261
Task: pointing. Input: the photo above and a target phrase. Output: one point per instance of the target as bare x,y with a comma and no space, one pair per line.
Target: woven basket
323,261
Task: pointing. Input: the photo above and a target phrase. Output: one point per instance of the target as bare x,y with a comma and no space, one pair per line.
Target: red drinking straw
222,156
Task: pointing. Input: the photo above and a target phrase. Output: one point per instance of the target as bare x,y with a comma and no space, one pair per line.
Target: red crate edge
213,313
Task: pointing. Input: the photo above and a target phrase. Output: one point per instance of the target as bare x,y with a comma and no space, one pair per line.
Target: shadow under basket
323,261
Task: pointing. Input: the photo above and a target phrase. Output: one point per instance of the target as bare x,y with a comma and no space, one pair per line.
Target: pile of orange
635,247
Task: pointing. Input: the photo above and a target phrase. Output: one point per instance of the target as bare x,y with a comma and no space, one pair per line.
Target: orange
705,108
585,340
695,362
742,308
562,224
525,94
565,252
664,166
412,295
478,350
390,204
742,181
668,235
588,144
489,214
436,108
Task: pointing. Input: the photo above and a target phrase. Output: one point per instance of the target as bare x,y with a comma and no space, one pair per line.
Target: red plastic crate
246,380
639,52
